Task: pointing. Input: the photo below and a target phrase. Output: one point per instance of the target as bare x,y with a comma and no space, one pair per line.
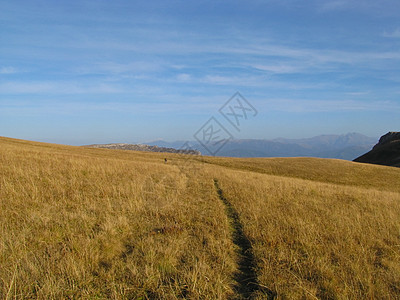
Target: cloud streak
60,88
328,105
392,34
8,70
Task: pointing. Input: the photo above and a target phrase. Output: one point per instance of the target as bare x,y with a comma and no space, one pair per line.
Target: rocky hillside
386,152
143,147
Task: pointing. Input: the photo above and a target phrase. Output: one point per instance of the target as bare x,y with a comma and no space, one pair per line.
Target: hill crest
143,147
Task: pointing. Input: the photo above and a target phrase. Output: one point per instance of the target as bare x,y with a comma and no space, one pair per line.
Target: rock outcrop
388,138
386,152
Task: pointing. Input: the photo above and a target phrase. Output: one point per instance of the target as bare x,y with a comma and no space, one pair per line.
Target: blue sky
80,72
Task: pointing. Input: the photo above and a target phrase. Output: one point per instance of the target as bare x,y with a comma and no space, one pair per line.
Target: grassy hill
95,223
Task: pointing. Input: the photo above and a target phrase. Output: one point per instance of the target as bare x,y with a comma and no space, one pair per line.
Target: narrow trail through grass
246,278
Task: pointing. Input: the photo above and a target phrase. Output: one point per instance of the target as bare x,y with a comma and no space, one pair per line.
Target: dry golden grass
317,169
319,241
95,223
103,224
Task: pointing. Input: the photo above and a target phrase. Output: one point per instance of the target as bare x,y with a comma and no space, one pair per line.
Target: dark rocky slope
386,152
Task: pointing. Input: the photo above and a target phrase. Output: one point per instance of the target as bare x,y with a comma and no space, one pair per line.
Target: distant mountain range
346,146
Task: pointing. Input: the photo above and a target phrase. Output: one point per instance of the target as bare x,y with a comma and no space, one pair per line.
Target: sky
83,72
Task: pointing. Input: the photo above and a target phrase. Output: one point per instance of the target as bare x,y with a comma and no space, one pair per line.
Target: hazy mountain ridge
346,146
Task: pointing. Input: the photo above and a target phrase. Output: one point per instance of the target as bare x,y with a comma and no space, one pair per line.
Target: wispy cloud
361,93
56,88
235,49
111,67
8,70
333,5
381,8
183,77
278,68
392,34
172,103
327,105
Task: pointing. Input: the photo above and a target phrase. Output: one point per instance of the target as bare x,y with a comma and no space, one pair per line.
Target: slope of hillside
108,224
333,171
386,152
80,222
